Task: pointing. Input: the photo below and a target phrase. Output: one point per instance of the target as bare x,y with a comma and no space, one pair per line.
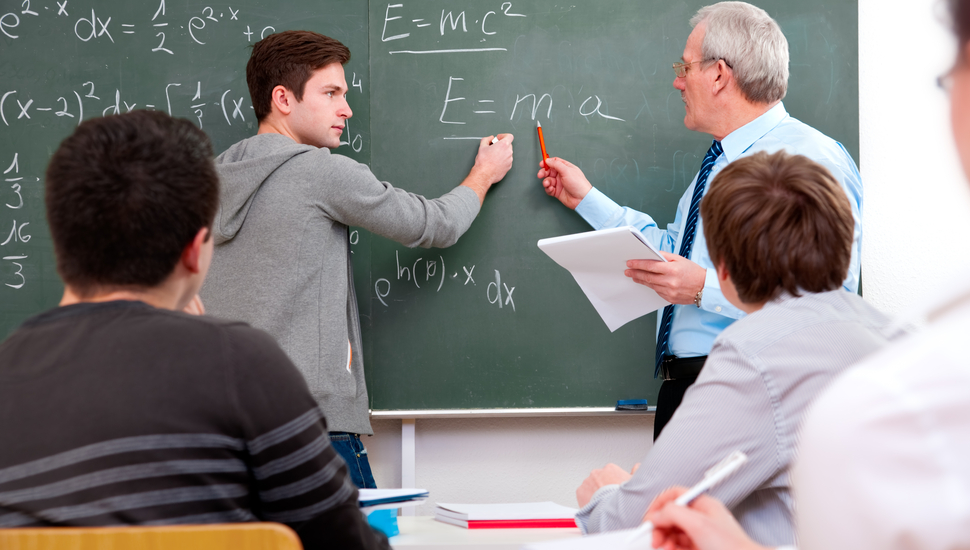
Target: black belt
681,368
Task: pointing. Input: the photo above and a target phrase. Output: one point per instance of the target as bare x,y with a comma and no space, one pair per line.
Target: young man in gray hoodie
282,258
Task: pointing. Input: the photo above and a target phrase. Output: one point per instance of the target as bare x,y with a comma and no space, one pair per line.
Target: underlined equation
431,273
157,30
14,225
405,25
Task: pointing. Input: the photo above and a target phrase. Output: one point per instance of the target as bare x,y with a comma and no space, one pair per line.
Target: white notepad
597,260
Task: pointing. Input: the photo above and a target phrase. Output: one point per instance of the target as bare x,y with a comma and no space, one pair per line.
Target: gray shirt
282,255
761,376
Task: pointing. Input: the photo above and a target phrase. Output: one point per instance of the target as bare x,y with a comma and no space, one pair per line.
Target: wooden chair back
232,536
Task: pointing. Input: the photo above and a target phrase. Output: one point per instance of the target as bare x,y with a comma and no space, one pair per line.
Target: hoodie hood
247,165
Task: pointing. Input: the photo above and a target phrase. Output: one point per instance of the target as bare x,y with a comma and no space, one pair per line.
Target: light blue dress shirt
694,330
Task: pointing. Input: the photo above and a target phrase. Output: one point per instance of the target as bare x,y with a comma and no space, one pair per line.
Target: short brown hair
778,222
288,59
125,194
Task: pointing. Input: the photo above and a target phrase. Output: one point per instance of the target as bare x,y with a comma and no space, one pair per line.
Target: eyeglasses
680,69
945,81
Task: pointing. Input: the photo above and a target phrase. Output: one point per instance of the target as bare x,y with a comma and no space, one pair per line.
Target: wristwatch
698,297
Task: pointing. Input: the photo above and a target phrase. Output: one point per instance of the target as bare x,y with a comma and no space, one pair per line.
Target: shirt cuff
713,299
582,517
597,209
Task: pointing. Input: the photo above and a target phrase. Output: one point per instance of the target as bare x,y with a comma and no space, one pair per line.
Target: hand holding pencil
564,180
560,178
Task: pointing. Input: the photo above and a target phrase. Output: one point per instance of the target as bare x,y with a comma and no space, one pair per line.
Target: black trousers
671,394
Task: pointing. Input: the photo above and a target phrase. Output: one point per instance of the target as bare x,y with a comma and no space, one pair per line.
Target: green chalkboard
61,62
598,77
490,322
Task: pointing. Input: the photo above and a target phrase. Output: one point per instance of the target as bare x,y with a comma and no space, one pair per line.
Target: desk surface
423,532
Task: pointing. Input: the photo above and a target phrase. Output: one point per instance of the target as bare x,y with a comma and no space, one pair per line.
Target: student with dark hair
282,256
130,412
779,229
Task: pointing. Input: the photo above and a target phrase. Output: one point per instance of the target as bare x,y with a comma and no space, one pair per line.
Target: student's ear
722,273
283,99
192,253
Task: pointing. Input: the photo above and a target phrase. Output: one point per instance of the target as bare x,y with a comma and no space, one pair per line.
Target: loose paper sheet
615,540
597,260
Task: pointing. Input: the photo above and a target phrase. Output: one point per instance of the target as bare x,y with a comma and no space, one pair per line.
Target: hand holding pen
706,525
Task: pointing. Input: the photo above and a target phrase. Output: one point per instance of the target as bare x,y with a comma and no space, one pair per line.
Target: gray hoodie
282,255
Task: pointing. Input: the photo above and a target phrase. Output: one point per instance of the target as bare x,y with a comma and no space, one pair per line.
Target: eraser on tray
631,405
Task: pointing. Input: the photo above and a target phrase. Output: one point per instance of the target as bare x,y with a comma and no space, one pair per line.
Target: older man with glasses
732,78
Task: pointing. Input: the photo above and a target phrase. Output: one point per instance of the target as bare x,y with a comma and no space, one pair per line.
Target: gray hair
751,43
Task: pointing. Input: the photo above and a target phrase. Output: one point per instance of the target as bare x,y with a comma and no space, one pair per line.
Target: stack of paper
386,499
615,540
506,516
597,260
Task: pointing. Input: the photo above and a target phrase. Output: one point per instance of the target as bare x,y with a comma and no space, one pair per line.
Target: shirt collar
740,140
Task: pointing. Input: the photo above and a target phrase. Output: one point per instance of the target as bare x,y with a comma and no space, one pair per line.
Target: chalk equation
95,27
181,99
398,25
19,105
11,251
433,272
529,105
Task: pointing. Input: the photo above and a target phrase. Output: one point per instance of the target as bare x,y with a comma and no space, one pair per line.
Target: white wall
916,221
508,459
916,217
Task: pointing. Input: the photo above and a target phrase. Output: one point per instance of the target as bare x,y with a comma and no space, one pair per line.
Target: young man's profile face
320,118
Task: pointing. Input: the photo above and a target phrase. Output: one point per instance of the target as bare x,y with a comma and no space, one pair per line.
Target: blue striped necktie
690,228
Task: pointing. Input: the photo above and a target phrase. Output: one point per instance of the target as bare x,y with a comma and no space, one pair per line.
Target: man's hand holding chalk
493,161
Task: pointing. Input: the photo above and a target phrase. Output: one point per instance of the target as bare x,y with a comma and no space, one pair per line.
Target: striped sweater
120,414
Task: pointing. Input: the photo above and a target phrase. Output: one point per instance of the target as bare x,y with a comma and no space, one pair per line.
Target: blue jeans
350,448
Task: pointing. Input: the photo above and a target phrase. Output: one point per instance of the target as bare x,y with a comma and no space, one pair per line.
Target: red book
525,515
520,523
